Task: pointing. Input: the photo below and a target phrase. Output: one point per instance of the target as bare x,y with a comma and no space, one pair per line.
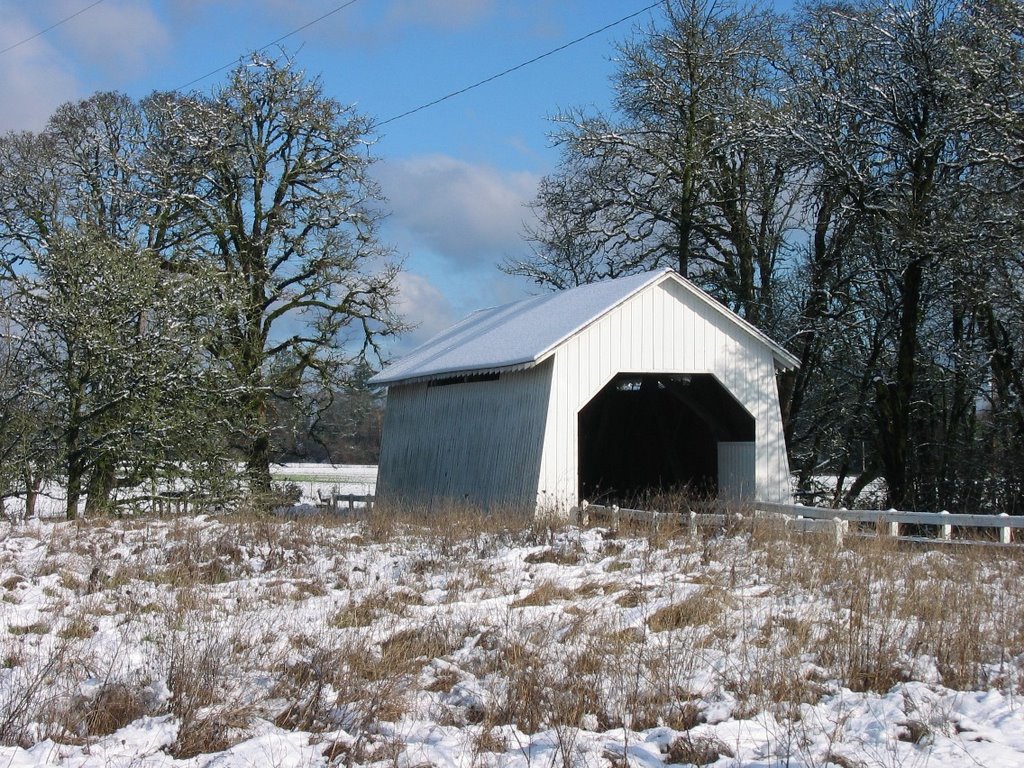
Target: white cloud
34,79
421,304
441,14
117,36
465,212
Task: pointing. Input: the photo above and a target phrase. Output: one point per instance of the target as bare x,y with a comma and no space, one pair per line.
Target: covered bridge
601,392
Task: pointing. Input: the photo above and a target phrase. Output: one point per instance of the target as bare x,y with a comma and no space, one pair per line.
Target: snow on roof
521,334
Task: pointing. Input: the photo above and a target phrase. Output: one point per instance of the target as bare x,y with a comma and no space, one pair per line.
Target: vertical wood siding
478,442
737,468
662,329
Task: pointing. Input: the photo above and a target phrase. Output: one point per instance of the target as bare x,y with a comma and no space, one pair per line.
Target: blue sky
457,175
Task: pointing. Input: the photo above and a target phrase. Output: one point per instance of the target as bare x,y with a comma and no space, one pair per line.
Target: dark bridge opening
651,432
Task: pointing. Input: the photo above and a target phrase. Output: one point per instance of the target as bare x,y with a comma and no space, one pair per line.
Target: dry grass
211,712
112,707
361,613
703,608
417,645
697,750
545,593
183,593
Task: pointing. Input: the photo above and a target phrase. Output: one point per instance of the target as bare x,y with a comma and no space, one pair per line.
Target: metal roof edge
448,374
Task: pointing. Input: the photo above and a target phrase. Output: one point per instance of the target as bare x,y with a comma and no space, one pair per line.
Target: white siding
664,328
736,471
477,441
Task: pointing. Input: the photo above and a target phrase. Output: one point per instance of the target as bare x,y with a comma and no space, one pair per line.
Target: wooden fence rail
333,501
835,522
888,521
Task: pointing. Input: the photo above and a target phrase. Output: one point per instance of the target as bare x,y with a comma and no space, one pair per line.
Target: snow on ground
479,641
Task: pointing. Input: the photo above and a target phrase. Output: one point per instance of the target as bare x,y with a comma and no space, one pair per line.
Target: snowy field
471,642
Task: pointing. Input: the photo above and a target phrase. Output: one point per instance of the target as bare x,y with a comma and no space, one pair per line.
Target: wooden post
893,527
1006,532
945,531
351,504
693,524
838,529
582,516
615,517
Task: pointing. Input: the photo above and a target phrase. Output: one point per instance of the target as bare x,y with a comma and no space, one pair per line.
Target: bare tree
678,176
908,230
282,208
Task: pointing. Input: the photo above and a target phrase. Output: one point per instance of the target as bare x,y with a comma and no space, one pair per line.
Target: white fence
835,522
889,521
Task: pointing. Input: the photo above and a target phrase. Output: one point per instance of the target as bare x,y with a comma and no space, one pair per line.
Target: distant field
313,479
316,479
326,473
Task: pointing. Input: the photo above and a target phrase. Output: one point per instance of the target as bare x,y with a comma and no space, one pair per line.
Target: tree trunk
894,399
866,477
684,231
794,386
32,485
74,488
257,467
100,486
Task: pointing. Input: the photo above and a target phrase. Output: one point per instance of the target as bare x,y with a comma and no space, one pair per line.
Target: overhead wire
271,44
52,26
342,7
519,66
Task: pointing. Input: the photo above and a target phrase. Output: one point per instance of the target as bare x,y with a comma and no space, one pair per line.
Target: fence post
839,528
945,531
693,524
351,504
893,527
1006,532
582,516
615,517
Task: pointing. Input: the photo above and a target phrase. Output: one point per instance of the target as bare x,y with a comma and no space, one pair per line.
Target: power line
52,26
510,70
271,44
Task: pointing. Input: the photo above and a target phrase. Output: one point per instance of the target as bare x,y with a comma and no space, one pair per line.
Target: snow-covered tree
281,208
184,261
901,156
116,344
25,421
849,178
685,173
